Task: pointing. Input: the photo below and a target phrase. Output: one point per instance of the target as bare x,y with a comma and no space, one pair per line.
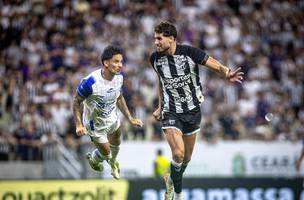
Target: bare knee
104,149
178,155
114,139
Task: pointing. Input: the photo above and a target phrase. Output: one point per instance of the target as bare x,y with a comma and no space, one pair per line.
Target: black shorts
188,123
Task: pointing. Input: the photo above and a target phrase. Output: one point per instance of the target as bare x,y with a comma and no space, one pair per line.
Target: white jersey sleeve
100,95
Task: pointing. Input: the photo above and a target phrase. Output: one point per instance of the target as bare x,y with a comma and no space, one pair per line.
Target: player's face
162,42
114,64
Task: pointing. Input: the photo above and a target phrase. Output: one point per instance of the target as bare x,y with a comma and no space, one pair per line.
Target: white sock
178,195
98,157
114,151
177,166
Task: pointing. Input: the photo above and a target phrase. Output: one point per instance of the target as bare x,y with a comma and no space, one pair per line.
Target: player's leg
189,142
115,140
175,140
98,155
191,126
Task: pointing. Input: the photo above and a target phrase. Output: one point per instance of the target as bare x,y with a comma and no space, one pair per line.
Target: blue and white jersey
100,110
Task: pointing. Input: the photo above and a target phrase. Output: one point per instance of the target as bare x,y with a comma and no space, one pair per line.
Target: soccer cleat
115,170
97,166
169,187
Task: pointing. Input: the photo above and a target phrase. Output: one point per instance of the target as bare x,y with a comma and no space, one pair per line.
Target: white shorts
101,135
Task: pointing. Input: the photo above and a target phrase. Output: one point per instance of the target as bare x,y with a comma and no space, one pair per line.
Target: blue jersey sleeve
85,89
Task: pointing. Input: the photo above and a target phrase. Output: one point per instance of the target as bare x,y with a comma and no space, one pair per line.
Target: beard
162,50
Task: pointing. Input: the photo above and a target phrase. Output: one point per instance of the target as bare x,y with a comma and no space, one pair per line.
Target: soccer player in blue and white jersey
95,110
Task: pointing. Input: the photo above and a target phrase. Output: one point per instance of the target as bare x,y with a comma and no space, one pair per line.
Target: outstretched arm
232,76
78,110
121,104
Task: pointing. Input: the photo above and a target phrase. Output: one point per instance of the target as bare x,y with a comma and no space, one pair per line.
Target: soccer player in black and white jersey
180,97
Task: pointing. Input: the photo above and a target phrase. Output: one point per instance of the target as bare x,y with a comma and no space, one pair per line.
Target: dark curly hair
109,52
166,28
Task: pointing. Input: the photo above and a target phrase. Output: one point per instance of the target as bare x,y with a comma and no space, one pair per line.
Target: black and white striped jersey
179,78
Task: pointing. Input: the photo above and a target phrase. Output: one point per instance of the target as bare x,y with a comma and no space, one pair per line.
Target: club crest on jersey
181,65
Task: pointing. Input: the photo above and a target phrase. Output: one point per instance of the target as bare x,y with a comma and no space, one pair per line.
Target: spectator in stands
49,43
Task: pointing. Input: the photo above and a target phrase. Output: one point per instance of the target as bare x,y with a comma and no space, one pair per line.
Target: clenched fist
81,130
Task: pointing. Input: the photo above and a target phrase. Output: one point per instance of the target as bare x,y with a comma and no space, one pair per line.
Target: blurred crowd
47,46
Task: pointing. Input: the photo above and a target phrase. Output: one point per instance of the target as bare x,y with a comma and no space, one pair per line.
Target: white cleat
97,166
115,170
169,187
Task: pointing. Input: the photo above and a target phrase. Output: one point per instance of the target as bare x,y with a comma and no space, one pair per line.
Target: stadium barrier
222,189
153,189
64,190
222,159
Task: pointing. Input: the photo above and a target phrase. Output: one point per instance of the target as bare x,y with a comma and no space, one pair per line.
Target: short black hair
109,52
166,28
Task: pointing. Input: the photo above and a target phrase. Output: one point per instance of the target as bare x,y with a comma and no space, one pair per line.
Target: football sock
176,175
98,157
114,151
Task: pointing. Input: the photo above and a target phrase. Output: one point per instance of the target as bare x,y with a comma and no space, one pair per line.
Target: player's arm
200,57
157,112
122,105
216,66
224,71
84,90
78,110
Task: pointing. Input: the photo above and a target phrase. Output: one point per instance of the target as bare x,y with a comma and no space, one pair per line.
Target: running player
95,105
180,98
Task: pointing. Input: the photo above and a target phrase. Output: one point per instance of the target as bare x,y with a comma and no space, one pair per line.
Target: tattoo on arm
78,109
217,67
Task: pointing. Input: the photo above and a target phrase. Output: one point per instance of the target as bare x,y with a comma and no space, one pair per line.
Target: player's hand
81,130
136,122
235,76
156,114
